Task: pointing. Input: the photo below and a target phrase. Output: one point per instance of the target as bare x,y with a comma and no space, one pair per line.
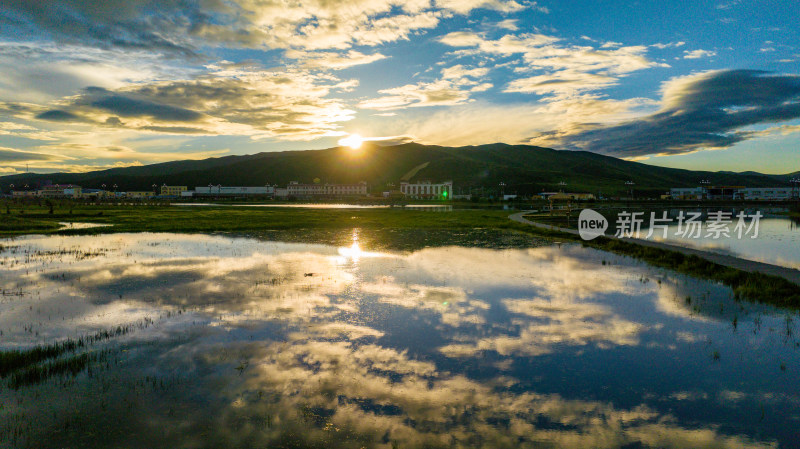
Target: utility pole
630,184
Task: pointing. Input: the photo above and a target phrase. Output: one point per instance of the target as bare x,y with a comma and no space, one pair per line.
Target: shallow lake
777,242
214,341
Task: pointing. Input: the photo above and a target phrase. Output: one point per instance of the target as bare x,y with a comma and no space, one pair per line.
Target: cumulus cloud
454,87
539,51
702,111
561,70
698,54
80,157
229,100
332,60
536,123
563,83
183,26
10,155
35,71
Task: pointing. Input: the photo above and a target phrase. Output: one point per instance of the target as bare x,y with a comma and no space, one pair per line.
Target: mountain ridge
522,168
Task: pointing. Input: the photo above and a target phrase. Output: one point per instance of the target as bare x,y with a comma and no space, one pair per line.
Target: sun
353,141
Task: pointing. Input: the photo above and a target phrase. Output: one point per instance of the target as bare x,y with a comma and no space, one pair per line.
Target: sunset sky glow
87,85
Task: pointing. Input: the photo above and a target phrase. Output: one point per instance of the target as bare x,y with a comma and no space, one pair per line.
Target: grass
754,286
420,228
244,219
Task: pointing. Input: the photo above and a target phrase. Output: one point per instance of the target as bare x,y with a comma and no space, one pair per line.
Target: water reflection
238,342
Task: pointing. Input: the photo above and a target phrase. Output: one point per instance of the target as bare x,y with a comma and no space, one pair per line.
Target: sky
704,85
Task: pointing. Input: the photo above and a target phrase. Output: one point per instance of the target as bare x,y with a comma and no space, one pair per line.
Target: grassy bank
387,228
754,286
36,219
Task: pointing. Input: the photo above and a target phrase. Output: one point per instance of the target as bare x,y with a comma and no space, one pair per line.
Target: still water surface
237,342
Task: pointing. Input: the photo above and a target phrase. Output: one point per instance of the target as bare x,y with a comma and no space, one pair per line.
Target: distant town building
299,190
687,193
571,196
139,194
722,192
94,193
73,192
53,191
173,190
304,190
346,189
234,191
427,189
734,193
767,193
566,196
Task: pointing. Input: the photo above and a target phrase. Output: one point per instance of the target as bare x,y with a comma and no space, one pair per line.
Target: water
66,225
237,342
778,242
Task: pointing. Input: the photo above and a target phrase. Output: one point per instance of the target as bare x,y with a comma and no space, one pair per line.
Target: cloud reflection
304,345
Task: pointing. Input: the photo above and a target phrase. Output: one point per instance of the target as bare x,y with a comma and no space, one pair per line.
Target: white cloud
669,45
454,87
560,84
698,54
332,60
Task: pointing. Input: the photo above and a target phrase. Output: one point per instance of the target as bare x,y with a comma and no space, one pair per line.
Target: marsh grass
37,364
754,286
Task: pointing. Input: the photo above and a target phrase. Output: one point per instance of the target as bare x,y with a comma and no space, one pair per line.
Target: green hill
523,168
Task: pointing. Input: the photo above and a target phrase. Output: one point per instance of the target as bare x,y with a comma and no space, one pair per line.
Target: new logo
591,224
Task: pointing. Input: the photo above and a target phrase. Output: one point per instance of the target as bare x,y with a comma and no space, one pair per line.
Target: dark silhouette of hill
523,169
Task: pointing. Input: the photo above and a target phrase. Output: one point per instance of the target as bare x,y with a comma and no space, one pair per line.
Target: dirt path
790,274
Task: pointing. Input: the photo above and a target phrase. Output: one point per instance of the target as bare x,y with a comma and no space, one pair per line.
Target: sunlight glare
353,141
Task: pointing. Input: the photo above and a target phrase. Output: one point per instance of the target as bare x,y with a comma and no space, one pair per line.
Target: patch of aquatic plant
33,365
34,374
754,286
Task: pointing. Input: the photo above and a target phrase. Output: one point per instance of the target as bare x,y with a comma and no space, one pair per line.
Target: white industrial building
767,193
427,189
687,193
235,191
734,193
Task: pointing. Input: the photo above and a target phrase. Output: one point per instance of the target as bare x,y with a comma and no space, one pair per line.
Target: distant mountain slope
523,168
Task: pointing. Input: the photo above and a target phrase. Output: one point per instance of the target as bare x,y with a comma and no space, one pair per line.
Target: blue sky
700,85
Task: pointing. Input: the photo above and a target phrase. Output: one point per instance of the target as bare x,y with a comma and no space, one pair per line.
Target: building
723,192
767,193
173,190
234,191
139,194
52,191
24,193
734,193
346,189
73,192
562,196
687,193
95,193
427,189
298,190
